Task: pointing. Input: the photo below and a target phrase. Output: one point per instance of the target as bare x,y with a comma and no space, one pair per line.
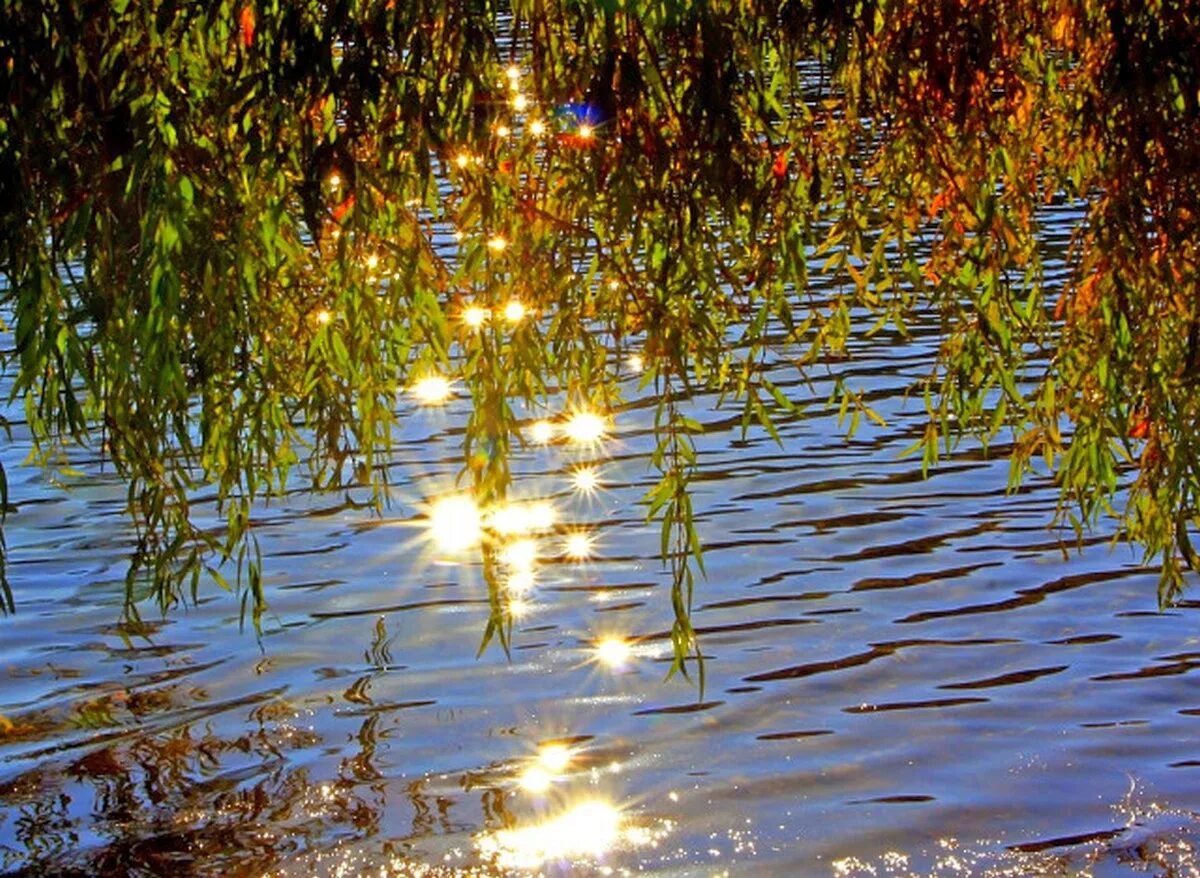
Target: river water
905,676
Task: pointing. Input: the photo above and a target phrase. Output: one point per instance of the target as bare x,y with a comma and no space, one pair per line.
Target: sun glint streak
520,555
542,432
455,523
589,829
474,316
585,428
585,480
613,652
514,312
579,546
432,390
554,757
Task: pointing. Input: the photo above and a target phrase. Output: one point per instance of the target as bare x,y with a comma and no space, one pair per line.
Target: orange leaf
342,209
780,165
246,21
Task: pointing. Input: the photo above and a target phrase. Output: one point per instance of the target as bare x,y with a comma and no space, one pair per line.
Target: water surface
905,675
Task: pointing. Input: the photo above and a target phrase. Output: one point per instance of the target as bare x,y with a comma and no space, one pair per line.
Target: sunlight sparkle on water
513,72
635,363
323,317
542,432
462,160
585,428
537,127
522,518
503,131
585,480
579,546
474,316
520,582
613,652
555,757
497,243
455,523
518,607
520,102
514,312
520,555
432,390
589,829
535,779
586,132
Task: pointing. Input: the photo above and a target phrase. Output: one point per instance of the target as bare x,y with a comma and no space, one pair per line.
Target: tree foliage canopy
220,223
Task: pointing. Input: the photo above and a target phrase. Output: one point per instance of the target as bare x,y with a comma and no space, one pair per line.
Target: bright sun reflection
636,363
579,546
455,523
585,480
613,652
520,582
432,389
522,518
474,316
535,779
589,829
520,555
555,757
497,243
585,428
514,312
542,432
323,317
537,127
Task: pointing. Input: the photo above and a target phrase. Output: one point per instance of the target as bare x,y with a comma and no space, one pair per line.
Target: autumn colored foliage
185,185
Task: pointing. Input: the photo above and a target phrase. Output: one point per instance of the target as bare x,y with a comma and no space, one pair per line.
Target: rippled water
905,676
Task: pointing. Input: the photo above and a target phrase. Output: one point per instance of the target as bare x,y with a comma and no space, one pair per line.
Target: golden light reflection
586,132
503,131
636,363
585,480
542,515
554,757
334,181
537,127
520,102
513,72
535,780
497,243
432,390
462,160
542,432
521,554
514,312
588,829
455,523
323,316
372,262
474,316
520,582
579,546
519,607
512,519
613,652
585,428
